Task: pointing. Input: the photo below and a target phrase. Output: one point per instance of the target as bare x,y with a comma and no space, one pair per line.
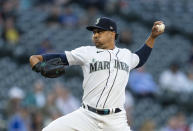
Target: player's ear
114,35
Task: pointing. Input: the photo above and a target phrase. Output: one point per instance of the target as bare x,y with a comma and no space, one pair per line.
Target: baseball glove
50,69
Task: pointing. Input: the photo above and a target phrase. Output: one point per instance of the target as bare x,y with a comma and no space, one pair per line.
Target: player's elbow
32,58
35,58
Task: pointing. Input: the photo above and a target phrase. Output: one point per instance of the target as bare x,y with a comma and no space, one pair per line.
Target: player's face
103,39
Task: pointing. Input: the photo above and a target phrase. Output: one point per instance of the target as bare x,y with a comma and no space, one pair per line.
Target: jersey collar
114,50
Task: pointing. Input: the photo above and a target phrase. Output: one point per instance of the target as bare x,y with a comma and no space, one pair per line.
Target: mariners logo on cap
111,27
97,21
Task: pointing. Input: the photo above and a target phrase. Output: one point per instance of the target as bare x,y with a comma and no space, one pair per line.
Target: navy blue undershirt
143,53
47,57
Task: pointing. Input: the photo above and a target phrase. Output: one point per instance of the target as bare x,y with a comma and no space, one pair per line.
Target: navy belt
100,111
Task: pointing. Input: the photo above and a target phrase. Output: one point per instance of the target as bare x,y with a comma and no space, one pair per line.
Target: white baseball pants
85,120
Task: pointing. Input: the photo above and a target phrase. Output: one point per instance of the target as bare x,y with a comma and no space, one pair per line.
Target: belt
101,111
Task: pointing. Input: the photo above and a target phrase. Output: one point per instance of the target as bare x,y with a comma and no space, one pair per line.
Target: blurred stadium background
159,95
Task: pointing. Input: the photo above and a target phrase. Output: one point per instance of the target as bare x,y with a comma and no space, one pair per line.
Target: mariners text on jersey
103,65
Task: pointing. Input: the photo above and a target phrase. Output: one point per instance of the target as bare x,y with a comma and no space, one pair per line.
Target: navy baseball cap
104,23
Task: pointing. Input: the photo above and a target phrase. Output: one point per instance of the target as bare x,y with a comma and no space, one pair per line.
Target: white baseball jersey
106,74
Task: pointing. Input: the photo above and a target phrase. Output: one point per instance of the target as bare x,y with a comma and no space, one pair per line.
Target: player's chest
105,60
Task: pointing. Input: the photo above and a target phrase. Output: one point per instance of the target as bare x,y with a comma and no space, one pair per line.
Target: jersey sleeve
134,60
77,56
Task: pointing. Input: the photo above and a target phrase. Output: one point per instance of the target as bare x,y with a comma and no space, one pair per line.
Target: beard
98,44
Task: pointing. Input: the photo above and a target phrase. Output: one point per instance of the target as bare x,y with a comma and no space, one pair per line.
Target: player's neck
111,45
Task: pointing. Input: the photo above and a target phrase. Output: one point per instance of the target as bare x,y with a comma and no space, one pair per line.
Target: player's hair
116,36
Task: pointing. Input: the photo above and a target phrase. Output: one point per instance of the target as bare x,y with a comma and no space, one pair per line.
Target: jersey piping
113,82
106,82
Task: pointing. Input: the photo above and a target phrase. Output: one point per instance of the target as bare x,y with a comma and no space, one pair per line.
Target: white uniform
106,74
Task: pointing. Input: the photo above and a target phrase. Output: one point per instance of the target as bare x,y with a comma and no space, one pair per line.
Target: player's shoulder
125,50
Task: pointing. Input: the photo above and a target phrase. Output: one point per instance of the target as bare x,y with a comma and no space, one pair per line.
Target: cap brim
91,28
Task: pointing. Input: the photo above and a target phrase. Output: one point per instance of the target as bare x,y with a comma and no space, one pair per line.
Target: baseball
161,27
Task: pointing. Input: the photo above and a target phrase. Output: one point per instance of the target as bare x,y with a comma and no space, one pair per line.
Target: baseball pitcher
106,71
